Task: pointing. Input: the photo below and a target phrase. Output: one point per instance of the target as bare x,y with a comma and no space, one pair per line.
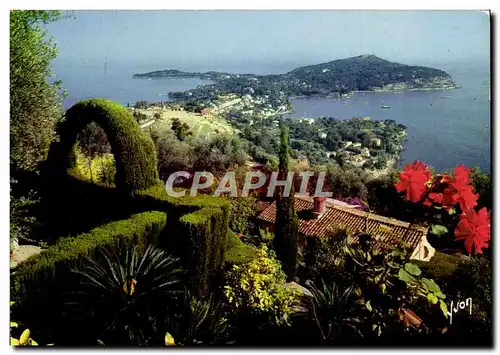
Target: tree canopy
35,103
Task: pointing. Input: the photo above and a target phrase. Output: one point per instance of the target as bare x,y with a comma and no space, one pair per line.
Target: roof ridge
304,198
309,225
372,216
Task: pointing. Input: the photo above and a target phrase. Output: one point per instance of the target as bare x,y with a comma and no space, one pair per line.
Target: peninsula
253,104
335,78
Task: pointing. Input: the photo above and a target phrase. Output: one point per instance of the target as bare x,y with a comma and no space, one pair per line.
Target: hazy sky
212,39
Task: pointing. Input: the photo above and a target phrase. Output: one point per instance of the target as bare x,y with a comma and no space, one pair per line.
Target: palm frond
126,293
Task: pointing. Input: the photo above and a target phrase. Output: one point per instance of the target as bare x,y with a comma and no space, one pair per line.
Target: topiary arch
134,151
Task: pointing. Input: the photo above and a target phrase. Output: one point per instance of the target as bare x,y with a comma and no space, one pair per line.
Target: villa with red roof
326,213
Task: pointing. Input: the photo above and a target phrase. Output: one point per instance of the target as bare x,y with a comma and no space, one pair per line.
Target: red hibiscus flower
413,180
461,175
460,190
474,229
433,197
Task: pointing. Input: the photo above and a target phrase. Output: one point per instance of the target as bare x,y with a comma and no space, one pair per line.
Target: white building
365,152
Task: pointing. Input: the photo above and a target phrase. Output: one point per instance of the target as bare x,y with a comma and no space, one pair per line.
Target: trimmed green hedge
37,273
134,151
197,228
238,252
197,232
441,266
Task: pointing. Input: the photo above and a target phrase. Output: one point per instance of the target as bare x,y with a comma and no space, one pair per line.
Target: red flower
474,229
460,190
413,181
433,198
461,175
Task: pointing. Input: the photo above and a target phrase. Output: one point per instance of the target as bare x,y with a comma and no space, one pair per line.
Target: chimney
319,206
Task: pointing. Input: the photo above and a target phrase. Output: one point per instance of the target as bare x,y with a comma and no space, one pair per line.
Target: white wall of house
424,251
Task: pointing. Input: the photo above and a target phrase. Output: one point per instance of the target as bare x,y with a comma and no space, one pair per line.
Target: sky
218,40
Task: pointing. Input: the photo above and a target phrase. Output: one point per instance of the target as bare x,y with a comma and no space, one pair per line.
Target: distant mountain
364,72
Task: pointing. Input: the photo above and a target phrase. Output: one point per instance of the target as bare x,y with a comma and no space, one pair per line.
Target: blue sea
445,128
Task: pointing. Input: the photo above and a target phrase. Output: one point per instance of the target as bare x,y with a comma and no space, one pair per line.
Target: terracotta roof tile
386,231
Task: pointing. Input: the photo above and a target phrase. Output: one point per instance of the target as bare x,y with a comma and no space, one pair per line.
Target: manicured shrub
197,233
134,151
206,232
69,252
40,284
475,279
237,252
471,278
441,266
197,226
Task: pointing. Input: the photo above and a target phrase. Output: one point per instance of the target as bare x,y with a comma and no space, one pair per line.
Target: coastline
376,173
410,90
349,95
373,91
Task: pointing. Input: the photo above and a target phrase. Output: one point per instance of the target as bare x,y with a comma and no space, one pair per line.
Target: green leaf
14,325
396,252
430,285
438,230
452,211
368,306
432,298
440,294
393,265
404,276
444,308
412,269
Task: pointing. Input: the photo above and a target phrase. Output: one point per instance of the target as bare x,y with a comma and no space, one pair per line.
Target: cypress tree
286,226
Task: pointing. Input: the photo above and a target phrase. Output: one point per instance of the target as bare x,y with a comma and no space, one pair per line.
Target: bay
442,132
445,128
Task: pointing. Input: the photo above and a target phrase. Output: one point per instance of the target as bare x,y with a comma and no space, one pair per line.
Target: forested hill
365,72
368,72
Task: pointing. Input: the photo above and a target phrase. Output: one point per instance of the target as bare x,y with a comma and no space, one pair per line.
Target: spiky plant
203,321
124,297
333,309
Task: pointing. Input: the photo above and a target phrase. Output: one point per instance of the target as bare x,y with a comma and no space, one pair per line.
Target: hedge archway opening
134,151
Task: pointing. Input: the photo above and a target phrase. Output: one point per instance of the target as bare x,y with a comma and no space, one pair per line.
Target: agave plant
203,321
333,309
122,296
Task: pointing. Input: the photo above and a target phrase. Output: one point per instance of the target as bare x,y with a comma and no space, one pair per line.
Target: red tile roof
386,231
